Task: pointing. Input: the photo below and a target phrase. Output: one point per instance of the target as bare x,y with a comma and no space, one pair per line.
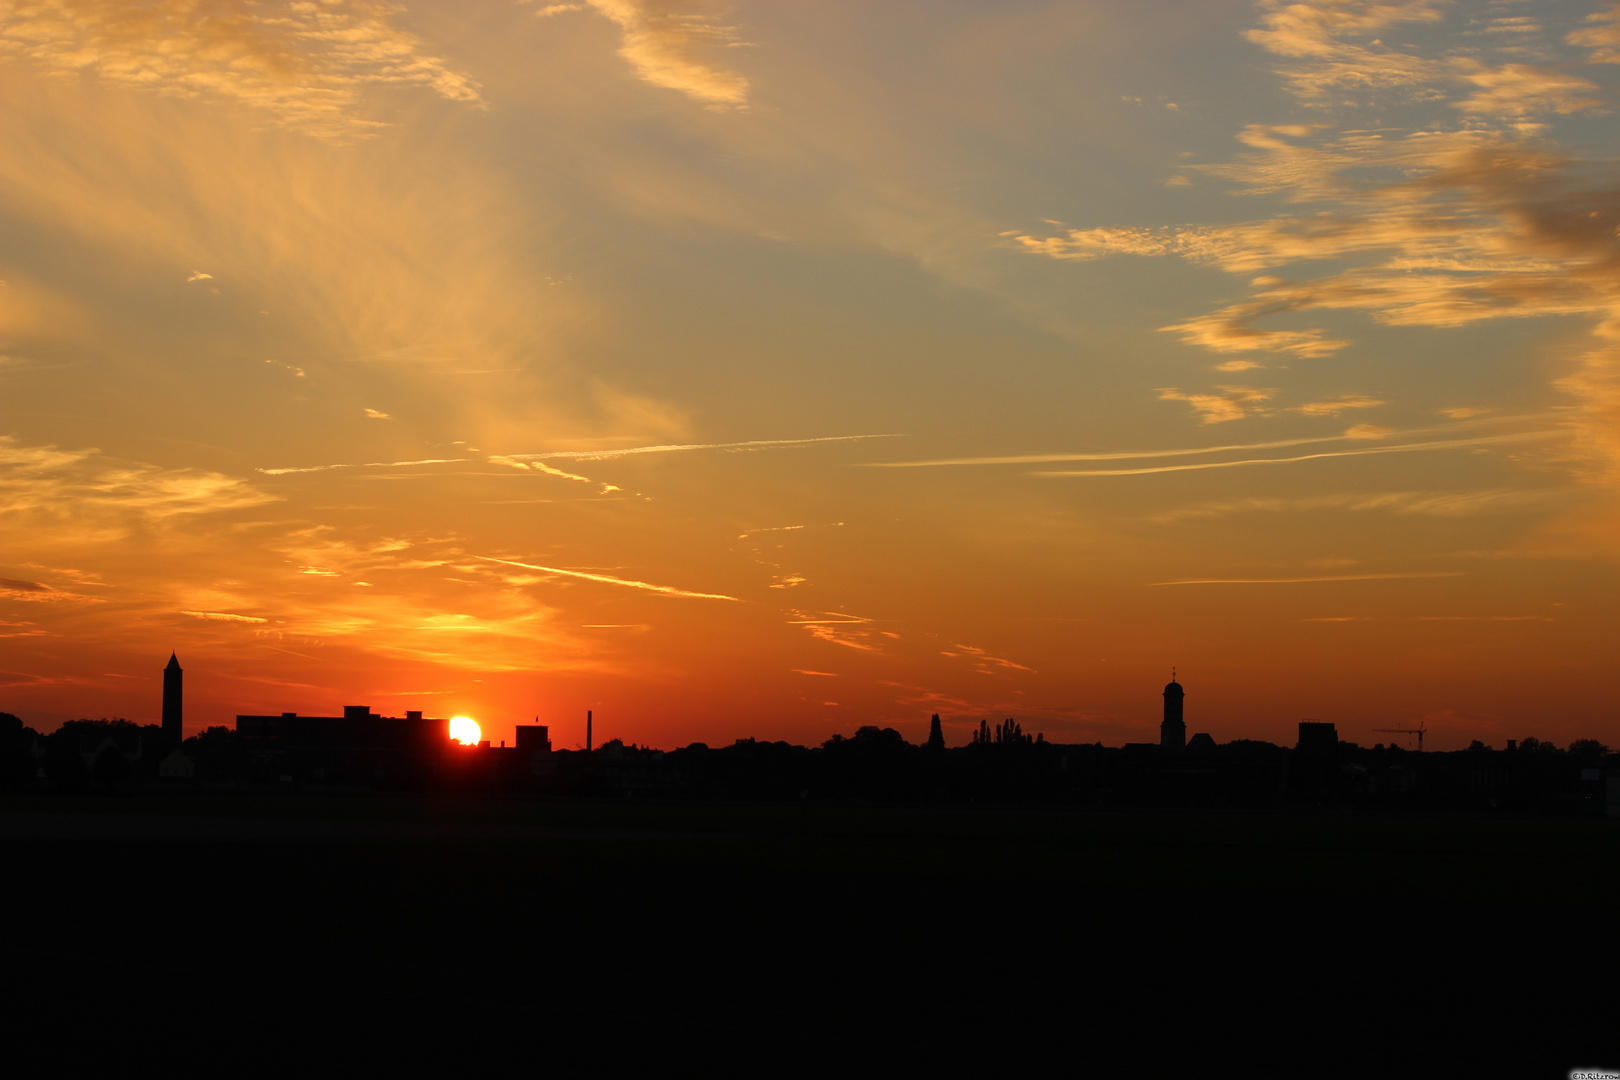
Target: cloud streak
1405,448
836,628
755,444
1427,503
1306,580
605,579
983,662
1357,434
359,465
35,593
221,616
664,43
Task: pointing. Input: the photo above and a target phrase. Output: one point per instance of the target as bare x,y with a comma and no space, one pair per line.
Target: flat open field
985,935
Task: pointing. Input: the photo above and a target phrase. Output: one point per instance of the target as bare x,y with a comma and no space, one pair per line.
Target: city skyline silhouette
358,750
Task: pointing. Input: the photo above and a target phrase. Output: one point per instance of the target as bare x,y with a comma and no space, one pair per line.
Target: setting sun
465,730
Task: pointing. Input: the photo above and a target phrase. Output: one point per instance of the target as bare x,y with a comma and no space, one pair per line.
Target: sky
773,369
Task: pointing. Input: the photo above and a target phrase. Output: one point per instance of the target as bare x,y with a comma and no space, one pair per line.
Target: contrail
1440,444
603,455
361,465
665,589
1126,455
1301,580
220,616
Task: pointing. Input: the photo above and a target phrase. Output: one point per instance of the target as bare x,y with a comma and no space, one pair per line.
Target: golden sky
776,368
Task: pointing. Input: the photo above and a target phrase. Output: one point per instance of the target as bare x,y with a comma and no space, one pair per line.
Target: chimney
587,731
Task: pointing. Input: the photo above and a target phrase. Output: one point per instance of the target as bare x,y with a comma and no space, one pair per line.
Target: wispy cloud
1307,580
359,465
606,579
537,466
1337,405
1602,38
1483,618
981,661
1432,618
756,444
773,528
1227,403
1355,434
1428,503
303,64
837,628
1445,226
35,592
84,484
221,616
665,42
1405,448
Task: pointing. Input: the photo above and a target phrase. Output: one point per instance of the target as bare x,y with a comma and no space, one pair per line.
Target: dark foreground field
336,935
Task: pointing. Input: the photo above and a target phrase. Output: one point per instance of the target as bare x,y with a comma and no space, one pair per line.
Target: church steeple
1173,731
173,676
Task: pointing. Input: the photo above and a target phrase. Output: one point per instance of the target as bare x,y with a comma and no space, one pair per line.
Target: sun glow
465,730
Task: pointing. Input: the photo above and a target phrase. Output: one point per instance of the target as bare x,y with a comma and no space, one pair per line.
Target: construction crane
1418,731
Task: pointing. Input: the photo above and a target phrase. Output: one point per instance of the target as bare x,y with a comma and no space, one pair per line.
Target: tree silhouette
1588,750
936,736
1010,731
1007,733
110,768
16,751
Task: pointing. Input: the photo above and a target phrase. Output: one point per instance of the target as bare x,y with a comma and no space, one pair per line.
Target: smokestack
587,731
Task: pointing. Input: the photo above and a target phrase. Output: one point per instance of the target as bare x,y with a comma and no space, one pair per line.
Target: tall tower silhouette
1173,731
172,676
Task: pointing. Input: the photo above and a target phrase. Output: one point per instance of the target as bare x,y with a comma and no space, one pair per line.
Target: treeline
1003,764
103,755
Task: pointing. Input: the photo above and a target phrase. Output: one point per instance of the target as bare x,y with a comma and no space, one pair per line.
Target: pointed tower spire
173,679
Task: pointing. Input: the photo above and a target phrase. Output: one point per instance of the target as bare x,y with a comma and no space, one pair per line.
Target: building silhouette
1173,731
357,746
172,678
534,747
1317,737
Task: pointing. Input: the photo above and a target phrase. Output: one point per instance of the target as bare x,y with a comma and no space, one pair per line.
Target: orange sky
753,369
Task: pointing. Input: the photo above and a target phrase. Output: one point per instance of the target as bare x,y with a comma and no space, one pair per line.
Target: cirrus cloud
303,64
1427,227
